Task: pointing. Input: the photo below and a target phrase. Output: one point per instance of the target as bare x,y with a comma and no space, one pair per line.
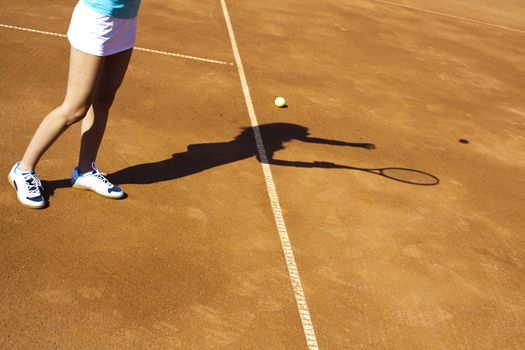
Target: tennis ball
280,102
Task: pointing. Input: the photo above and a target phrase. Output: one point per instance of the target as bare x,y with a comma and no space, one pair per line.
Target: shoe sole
84,188
37,206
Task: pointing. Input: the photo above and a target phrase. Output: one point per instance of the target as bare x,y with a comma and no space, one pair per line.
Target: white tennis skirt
99,35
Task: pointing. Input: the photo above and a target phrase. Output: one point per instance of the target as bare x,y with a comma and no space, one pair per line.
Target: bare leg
94,124
84,72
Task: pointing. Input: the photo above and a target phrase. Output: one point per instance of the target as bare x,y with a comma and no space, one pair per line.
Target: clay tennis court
216,247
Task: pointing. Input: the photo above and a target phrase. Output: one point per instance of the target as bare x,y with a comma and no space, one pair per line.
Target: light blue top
115,8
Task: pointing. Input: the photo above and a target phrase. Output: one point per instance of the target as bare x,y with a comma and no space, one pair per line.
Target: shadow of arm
300,164
337,143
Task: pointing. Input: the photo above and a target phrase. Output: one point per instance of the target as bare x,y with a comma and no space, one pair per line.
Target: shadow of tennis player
203,156
200,157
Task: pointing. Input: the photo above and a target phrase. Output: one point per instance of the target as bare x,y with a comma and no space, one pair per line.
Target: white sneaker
95,181
27,186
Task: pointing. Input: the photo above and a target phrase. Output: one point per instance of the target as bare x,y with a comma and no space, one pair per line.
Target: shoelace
100,176
33,183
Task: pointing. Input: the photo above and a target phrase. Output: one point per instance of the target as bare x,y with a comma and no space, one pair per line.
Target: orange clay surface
192,259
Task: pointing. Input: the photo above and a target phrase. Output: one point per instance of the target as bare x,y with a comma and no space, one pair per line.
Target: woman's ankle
84,168
25,167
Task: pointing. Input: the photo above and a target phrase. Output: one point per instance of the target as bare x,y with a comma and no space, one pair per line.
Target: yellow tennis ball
280,102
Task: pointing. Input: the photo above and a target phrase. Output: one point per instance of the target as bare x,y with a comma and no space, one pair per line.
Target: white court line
300,299
450,16
32,30
135,48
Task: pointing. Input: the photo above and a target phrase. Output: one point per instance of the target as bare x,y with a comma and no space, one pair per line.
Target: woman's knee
73,114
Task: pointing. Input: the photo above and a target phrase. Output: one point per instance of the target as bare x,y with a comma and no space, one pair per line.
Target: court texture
249,226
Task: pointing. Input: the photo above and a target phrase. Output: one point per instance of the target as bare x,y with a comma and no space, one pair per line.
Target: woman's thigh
84,75
113,72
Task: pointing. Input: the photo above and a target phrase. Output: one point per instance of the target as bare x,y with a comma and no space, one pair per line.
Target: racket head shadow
408,176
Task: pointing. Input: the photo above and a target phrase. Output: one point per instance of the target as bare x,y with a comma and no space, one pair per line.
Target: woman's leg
94,124
84,72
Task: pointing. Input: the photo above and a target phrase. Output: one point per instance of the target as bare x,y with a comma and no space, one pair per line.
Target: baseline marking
293,272
165,53
450,16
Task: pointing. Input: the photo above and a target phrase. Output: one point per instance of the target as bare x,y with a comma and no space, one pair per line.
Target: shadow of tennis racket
405,175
